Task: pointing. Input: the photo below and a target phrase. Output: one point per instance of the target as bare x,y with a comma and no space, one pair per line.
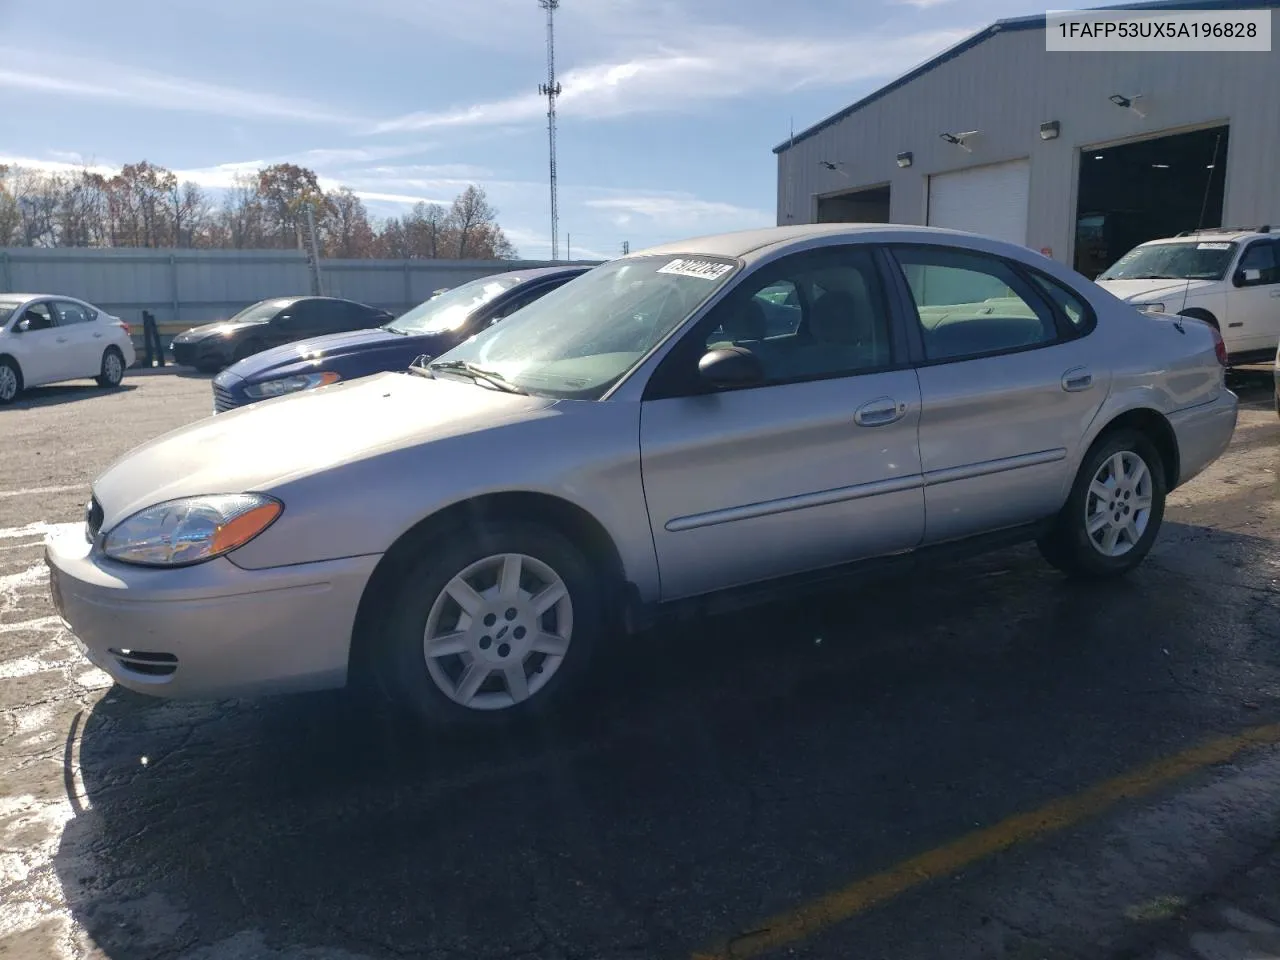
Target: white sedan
48,339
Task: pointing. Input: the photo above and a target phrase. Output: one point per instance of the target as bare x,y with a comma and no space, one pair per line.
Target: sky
669,113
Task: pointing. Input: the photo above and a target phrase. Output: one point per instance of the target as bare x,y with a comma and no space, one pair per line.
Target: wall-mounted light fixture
1127,103
1050,130
904,159
958,139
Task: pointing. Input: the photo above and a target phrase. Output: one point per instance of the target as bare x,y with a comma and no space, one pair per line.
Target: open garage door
864,205
990,200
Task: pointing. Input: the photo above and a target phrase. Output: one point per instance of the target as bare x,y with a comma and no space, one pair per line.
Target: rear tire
10,381
523,649
1114,512
112,368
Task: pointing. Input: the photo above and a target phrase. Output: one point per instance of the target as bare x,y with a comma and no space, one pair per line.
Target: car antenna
1204,207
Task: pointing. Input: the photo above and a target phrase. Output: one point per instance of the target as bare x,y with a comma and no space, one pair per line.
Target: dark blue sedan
429,329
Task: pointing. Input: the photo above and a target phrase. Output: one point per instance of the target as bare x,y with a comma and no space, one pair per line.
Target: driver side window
813,315
37,317
1263,256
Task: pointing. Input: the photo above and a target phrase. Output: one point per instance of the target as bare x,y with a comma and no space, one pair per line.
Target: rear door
815,466
1009,382
1253,307
84,340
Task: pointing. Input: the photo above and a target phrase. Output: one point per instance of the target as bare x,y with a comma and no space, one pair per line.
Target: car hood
215,329
314,351
257,447
1137,291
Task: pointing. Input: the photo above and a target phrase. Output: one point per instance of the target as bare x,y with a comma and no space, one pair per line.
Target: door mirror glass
730,367
22,326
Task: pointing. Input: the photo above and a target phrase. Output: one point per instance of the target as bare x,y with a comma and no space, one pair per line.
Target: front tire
497,624
1114,512
10,381
112,369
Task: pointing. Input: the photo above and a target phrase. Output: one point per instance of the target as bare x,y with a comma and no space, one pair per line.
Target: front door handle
1077,379
877,413
62,339
98,336
1275,293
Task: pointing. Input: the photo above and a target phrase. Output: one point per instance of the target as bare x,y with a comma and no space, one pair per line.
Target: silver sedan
690,423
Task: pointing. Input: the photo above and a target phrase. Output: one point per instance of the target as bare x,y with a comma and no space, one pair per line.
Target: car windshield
6,310
264,310
450,310
1193,260
579,340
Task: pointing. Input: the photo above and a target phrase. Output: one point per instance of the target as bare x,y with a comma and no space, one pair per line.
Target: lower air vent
145,662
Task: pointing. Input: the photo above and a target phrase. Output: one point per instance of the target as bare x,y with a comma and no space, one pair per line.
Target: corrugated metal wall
183,288
1008,85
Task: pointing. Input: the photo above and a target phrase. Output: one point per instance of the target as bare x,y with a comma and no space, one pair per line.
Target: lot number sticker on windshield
703,269
1213,246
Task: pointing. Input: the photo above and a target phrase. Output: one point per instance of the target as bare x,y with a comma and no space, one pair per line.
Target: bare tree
346,230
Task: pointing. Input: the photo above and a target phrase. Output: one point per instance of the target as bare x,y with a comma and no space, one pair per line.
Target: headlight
191,530
302,381
1150,307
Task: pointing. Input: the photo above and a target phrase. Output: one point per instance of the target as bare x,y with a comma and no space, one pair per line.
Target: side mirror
1243,278
22,326
730,367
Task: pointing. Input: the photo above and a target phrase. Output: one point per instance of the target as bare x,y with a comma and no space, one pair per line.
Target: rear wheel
1115,509
10,380
498,625
112,369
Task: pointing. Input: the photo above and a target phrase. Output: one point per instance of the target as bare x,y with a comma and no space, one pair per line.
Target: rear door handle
1073,381
98,335
878,412
1275,293
62,339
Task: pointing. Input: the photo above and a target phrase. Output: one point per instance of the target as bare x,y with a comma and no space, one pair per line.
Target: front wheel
499,624
1114,511
10,381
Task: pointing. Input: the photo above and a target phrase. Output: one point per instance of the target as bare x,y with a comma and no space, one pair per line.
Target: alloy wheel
113,368
8,383
1117,508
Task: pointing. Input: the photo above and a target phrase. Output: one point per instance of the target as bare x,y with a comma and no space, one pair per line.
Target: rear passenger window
69,313
971,305
1072,307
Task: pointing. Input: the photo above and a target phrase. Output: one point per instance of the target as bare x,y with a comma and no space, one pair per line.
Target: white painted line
37,529
28,577
66,488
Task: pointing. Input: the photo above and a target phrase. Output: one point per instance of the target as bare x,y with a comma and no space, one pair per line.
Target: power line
551,90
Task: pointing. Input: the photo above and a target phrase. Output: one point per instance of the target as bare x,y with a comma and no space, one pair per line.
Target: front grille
224,399
145,662
184,354
93,519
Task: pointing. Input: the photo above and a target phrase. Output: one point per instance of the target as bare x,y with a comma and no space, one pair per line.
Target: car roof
751,245
1243,233
537,273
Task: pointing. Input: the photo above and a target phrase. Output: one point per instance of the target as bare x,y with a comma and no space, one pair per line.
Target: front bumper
228,392
212,630
1204,433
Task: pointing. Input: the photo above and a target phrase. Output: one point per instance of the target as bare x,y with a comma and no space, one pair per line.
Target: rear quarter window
1069,303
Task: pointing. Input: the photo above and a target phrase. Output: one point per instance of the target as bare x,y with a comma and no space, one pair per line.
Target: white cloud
724,63
85,79
680,212
923,4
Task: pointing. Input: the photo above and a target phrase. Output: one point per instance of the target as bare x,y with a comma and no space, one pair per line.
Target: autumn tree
284,189
345,231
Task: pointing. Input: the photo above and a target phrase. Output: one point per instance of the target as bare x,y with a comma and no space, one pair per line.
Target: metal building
1078,155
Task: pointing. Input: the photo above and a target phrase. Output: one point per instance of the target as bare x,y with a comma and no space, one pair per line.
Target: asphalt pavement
982,761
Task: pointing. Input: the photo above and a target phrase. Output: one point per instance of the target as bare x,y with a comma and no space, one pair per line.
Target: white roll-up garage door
990,200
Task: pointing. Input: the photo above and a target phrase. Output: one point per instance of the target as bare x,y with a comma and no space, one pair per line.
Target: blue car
429,329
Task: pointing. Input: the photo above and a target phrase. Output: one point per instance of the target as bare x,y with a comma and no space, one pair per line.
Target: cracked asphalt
722,773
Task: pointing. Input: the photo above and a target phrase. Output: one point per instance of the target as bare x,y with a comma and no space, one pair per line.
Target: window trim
1035,298
669,382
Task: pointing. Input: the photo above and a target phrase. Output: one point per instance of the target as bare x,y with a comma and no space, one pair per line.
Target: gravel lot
727,772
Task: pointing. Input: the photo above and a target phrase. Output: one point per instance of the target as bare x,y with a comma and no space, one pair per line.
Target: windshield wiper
477,374
1153,276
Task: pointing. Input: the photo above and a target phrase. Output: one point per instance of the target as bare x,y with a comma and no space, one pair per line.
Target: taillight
124,326
1219,347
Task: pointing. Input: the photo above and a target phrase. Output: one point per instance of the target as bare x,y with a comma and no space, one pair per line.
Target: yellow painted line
840,905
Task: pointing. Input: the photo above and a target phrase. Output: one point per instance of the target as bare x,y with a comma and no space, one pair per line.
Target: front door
41,347
1253,308
817,465
1009,383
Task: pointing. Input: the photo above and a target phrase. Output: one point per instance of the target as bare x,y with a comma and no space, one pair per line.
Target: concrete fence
183,288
